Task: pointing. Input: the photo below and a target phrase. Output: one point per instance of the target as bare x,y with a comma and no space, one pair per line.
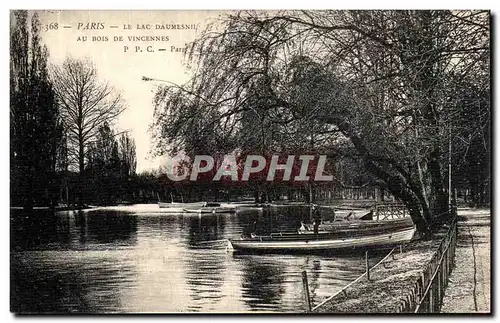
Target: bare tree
86,104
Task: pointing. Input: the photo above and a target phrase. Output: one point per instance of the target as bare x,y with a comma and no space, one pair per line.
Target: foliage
390,84
35,127
109,170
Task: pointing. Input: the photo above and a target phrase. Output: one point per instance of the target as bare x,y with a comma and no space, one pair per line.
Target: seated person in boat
303,228
249,232
316,218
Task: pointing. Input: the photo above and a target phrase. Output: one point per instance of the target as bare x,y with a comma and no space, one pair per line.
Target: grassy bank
389,282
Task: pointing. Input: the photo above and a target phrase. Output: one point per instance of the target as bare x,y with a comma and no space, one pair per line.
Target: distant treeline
108,178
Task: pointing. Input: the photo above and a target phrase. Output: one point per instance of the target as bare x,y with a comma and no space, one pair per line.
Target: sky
122,68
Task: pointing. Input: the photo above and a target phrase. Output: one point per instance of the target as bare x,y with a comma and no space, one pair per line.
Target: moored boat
176,207
211,207
340,237
359,226
244,205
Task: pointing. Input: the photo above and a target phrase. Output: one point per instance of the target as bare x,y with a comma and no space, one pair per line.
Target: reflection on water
140,259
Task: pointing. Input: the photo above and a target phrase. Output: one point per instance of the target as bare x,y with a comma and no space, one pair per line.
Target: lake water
141,259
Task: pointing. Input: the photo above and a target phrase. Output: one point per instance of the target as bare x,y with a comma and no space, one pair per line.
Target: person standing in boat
316,218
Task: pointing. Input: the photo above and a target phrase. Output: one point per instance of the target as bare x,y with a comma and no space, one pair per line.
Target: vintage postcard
280,161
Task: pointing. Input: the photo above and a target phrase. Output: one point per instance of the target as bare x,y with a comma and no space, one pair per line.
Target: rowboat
243,204
343,236
253,207
210,207
246,206
176,207
359,226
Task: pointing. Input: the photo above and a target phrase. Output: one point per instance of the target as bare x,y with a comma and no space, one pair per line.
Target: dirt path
469,287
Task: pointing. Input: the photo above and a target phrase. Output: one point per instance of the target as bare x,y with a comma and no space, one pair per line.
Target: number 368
52,26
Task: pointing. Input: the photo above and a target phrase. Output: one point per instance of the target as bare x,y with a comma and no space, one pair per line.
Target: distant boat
176,207
212,207
340,236
245,205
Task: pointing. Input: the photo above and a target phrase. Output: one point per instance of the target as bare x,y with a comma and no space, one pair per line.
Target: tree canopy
392,87
35,127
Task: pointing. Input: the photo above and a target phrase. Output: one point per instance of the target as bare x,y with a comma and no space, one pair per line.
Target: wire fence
427,294
343,291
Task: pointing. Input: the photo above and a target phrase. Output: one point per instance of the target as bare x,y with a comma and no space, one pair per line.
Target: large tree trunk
399,189
439,205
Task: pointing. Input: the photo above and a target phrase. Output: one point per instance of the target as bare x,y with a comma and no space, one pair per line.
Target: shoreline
390,283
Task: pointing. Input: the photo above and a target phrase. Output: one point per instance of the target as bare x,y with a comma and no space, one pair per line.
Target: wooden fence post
439,285
431,300
306,291
446,266
367,266
423,282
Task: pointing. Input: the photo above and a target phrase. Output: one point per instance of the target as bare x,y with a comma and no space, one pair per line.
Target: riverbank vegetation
400,94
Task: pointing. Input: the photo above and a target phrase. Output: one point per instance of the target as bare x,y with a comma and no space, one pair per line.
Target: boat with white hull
211,207
176,207
342,237
309,242
245,206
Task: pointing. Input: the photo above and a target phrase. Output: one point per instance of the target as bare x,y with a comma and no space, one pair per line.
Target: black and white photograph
250,161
